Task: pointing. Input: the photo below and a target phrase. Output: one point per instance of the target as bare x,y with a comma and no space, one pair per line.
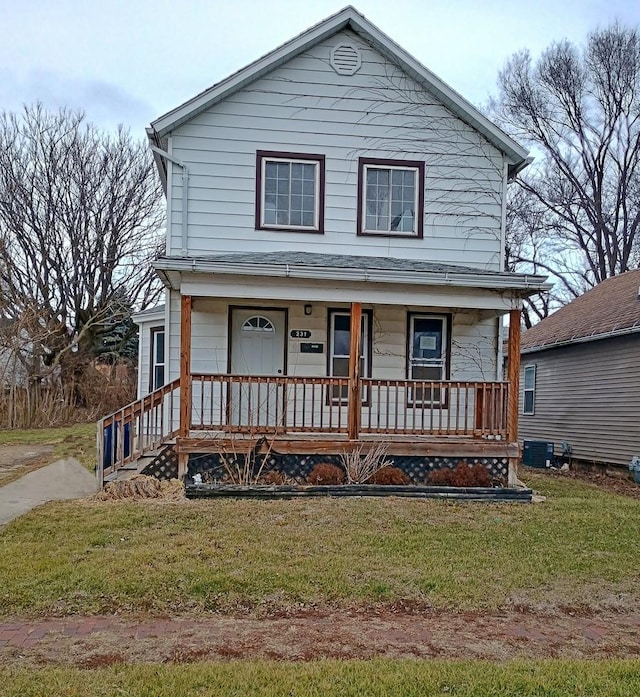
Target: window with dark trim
428,355
339,343
390,197
289,191
529,400
157,363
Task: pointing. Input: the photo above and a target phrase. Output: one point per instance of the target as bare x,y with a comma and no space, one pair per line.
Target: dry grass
577,549
140,487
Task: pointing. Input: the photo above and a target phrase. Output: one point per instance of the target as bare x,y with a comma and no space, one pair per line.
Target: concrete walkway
64,479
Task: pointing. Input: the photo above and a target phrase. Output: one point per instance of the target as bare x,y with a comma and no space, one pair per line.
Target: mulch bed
617,481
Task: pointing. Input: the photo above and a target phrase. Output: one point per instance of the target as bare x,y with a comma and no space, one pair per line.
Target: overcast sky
130,61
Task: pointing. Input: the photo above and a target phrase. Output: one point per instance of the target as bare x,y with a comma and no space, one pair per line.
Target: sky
130,61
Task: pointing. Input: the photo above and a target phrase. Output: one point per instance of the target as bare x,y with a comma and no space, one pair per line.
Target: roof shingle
612,306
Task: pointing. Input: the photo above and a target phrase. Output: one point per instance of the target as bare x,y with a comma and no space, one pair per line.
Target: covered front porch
201,413
314,361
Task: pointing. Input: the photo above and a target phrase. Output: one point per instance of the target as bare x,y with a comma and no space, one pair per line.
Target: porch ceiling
392,275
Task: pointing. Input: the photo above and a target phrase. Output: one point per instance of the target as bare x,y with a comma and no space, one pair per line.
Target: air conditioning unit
537,453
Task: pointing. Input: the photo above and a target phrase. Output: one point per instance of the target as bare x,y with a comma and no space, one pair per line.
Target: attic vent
346,59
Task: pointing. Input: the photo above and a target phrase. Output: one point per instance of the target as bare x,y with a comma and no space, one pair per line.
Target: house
580,375
334,264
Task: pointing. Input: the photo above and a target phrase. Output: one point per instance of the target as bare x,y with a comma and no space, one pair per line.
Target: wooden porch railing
136,429
261,404
422,407
249,403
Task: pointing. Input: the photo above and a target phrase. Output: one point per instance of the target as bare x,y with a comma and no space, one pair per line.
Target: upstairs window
529,401
290,192
390,197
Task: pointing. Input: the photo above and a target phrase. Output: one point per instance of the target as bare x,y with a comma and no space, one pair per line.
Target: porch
211,412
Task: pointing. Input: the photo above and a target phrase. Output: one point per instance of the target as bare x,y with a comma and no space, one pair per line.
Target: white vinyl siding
473,340
304,106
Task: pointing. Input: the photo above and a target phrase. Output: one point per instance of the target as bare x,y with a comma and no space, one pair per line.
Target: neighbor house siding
305,107
587,395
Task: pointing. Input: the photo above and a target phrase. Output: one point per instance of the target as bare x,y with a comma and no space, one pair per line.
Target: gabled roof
348,18
610,309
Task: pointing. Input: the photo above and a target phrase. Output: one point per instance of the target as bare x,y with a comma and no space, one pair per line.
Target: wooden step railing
136,429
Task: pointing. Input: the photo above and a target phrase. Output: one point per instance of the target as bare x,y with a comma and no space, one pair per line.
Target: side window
157,358
529,401
428,356
289,192
339,343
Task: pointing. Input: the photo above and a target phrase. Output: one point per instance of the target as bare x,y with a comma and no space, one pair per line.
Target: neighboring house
580,375
334,261
16,353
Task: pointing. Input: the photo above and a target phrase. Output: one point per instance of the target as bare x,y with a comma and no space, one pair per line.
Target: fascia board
146,317
520,282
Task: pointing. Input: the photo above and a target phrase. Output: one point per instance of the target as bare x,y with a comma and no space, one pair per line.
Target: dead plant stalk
361,467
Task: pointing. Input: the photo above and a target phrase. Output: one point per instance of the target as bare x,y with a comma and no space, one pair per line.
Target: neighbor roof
609,309
149,313
349,18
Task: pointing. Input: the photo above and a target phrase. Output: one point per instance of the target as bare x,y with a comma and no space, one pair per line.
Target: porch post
514,389
185,379
355,391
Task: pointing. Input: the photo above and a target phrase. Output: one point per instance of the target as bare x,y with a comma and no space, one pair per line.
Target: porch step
134,467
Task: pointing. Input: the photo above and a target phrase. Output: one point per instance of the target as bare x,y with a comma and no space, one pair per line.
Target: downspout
185,193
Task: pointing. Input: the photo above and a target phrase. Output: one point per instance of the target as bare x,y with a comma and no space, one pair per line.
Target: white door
257,349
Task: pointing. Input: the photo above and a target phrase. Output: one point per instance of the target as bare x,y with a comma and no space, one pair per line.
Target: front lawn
376,678
578,548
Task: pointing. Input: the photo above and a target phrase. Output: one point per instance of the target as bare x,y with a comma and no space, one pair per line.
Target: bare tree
80,216
576,213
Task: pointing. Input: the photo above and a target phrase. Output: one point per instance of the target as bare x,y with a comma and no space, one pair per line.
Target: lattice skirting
298,467
164,465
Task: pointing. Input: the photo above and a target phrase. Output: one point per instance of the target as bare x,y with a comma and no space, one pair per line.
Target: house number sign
300,334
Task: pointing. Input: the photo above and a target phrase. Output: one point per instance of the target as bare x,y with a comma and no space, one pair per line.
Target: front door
257,349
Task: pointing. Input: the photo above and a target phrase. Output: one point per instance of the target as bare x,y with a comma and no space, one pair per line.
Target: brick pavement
363,634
